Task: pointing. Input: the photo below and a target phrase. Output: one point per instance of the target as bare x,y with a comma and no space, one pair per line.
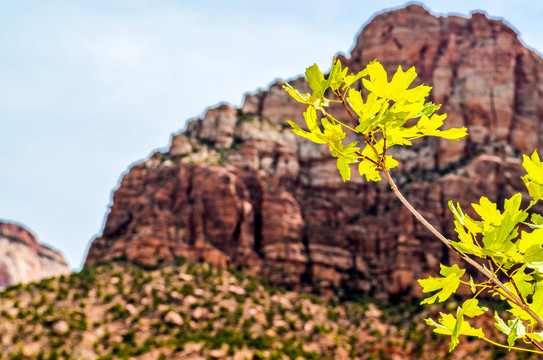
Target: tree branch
491,276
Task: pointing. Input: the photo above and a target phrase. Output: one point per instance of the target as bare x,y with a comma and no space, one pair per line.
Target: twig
491,276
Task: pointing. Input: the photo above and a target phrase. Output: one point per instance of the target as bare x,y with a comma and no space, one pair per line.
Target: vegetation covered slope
196,311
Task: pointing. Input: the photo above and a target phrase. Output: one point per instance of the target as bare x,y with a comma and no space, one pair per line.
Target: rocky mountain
237,187
23,259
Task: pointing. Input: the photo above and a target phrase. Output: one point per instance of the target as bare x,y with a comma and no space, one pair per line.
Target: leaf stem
334,119
349,112
514,347
364,157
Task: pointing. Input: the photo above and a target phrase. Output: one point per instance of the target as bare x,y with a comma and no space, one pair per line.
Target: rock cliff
23,259
237,187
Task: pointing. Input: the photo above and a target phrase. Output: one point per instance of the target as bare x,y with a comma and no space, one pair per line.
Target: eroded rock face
239,188
23,259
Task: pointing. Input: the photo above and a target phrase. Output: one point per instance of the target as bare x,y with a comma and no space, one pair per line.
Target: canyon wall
238,188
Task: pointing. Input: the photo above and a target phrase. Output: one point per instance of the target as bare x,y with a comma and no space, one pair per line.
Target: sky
88,88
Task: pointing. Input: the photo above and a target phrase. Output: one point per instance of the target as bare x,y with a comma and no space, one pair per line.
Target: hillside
196,311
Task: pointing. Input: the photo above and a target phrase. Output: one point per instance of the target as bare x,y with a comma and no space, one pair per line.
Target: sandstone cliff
23,259
238,188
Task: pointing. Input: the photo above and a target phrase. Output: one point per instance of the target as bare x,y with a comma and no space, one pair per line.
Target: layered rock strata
238,188
23,259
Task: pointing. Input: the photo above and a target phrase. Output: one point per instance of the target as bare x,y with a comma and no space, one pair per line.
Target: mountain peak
238,188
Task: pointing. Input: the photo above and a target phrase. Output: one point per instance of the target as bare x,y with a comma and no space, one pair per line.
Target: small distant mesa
23,259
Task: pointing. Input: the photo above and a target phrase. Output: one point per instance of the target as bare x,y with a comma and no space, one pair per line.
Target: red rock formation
23,259
238,187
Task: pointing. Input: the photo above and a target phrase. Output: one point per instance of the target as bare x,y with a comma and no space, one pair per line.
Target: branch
535,343
491,276
349,112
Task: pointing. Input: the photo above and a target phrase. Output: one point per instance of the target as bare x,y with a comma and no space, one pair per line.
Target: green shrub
187,289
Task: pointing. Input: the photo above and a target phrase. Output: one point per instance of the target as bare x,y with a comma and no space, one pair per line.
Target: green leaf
537,302
518,330
337,75
514,330
315,134
428,110
537,219
472,285
333,133
488,211
536,222
500,324
397,116
500,229
460,327
530,243
369,170
523,282
366,111
390,162
471,308
344,168
317,102
352,78
534,179
303,98
448,325
402,111
457,328
467,243
430,127
473,227
345,157
396,90
316,81
446,285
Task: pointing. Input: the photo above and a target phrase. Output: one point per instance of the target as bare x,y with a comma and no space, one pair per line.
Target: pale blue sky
87,88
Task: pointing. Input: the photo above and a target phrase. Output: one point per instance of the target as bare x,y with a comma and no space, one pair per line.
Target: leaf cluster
513,254
391,114
503,245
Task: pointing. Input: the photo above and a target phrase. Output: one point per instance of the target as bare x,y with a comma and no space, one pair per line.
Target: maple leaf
395,90
449,325
446,285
